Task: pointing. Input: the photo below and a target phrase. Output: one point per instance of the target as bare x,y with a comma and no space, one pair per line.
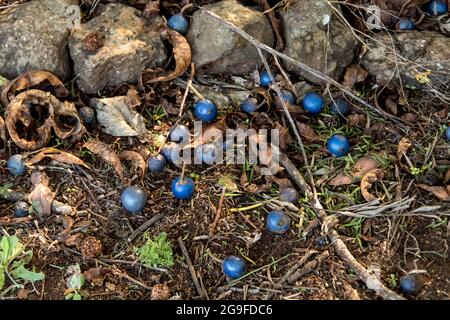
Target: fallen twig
191,268
218,212
144,227
310,266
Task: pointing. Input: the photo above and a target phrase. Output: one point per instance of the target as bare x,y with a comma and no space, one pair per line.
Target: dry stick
218,212
144,227
310,266
191,268
299,64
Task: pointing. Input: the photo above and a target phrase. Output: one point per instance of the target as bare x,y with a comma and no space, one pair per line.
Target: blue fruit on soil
340,107
410,284
205,110
278,222
249,105
313,103
21,209
180,133
437,8
406,24
288,96
264,79
168,151
87,115
447,133
156,163
338,145
133,199
288,194
179,23
207,153
234,267
16,165
183,189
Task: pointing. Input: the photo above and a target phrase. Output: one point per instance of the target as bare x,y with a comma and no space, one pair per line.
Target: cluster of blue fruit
435,8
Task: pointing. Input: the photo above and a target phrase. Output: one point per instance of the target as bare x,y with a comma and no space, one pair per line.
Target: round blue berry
179,24
205,110
289,194
410,283
288,96
447,133
156,163
183,189
249,105
437,8
406,24
16,165
264,79
180,133
87,115
206,153
340,107
133,199
313,103
278,222
234,267
21,209
338,145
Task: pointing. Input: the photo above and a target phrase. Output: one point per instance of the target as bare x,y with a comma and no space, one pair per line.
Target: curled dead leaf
107,153
307,132
66,121
360,168
41,197
402,148
366,182
354,74
57,155
181,52
442,193
32,79
136,159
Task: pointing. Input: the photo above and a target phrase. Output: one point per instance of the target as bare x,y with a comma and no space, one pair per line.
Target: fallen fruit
180,133
234,267
249,105
183,189
156,163
133,199
437,8
288,96
410,283
167,151
264,79
205,110
21,209
289,194
313,103
278,222
206,153
447,133
16,165
340,107
406,24
178,23
87,115
338,145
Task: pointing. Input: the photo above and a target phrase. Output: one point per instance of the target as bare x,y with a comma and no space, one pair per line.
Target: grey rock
33,36
216,49
115,47
328,47
415,52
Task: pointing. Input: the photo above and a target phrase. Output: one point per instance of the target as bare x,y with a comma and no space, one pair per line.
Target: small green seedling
157,252
74,282
13,258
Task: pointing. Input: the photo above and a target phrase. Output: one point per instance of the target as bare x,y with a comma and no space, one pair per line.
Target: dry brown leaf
441,193
355,120
57,155
447,176
285,137
307,132
354,74
392,105
360,168
136,159
181,52
341,179
132,99
402,148
107,153
97,275
41,197
66,121
32,79
367,181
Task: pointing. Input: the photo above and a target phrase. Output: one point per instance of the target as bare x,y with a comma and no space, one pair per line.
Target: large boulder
216,49
115,47
315,36
33,36
406,56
